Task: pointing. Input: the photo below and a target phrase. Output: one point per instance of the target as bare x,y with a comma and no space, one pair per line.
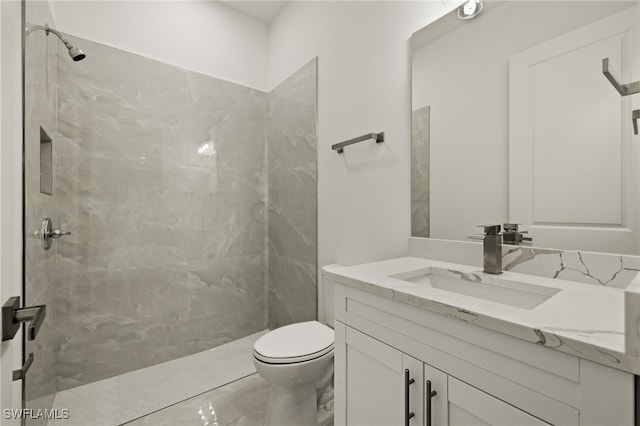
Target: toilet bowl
297,361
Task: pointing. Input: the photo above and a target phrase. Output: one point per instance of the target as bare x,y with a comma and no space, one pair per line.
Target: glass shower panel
154,181
40,75
159,175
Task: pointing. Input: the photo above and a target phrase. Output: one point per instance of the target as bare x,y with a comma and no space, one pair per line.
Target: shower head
75,53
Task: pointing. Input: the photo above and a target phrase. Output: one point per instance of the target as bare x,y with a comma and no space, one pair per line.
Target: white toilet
297,360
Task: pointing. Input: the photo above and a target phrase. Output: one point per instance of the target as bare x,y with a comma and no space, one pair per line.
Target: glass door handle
13,315
19,374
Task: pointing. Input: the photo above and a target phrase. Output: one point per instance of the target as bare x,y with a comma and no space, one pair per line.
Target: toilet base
325,407
292,406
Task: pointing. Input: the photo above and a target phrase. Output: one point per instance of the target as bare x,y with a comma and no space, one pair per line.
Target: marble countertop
584,320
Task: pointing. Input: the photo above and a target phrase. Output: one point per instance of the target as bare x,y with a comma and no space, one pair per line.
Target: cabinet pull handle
430,394
407,382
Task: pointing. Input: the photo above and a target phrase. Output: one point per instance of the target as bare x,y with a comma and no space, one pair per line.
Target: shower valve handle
57,233
47,232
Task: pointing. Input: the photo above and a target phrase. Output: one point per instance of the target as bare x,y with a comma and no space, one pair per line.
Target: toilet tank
326,309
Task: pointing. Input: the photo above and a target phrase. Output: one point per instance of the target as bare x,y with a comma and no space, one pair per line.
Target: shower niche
46,163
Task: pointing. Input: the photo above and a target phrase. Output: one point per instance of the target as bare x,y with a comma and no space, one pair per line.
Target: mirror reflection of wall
517,123
420,172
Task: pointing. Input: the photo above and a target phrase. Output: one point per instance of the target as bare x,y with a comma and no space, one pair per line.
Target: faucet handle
490,229
514,236
511,227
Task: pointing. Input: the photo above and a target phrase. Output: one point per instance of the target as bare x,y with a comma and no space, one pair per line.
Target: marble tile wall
162,180
616,271
40,111
420,172
292,195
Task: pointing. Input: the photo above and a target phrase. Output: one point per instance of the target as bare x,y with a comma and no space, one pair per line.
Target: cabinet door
375,383
470,406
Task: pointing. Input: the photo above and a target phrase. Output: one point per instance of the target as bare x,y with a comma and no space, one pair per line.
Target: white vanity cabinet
480,376
380,377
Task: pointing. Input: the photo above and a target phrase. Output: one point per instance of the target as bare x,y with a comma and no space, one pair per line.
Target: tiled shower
192,206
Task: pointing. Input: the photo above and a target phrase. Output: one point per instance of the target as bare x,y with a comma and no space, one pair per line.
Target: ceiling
264,10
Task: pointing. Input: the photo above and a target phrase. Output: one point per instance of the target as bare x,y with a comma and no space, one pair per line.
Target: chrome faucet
492,244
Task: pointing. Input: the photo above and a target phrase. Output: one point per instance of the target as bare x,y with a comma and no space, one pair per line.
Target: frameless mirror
514,120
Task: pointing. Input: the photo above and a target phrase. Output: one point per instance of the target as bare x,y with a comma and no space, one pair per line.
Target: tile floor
240,403
140,393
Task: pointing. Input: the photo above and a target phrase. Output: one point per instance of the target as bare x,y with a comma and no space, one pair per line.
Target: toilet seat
294,343
292,360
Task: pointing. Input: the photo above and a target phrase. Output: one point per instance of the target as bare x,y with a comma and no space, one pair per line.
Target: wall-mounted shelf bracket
623,89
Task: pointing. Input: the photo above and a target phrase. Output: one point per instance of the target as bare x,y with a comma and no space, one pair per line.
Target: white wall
364,86
203,36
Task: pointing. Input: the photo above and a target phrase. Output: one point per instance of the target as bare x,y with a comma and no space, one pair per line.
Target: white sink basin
506,292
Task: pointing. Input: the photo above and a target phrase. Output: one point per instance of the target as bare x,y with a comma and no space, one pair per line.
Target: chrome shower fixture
75,53
470,9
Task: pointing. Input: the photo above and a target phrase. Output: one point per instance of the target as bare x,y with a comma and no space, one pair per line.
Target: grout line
187,399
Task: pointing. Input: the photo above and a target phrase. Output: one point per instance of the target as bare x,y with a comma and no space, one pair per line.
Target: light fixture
470,9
